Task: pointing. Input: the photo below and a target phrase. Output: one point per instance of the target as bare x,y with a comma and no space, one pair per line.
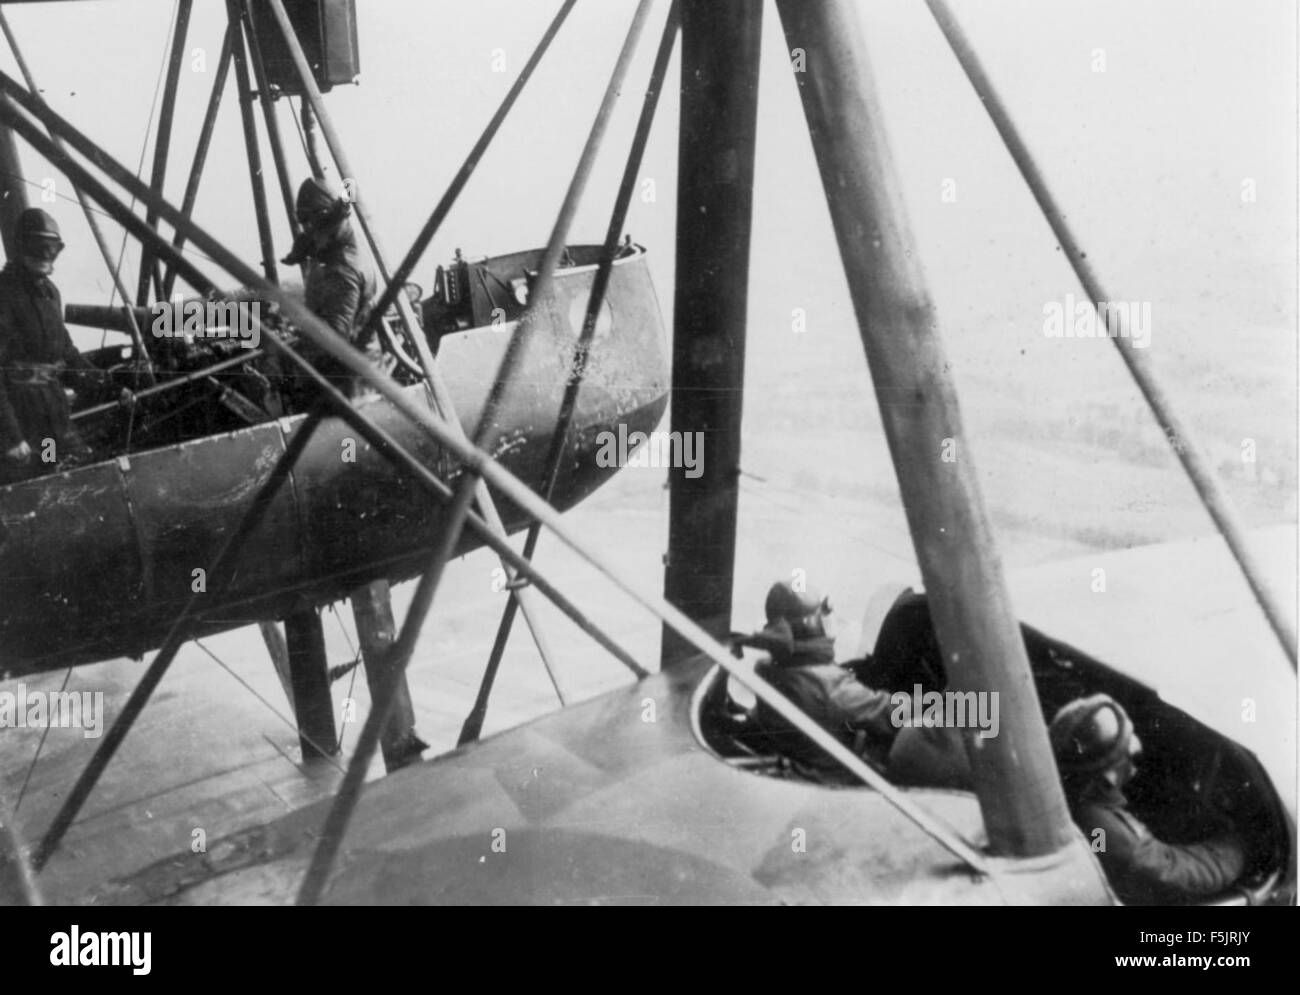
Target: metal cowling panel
70,570
188,498
358,509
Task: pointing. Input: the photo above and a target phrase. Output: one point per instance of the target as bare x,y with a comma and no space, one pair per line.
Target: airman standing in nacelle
36,430
339,289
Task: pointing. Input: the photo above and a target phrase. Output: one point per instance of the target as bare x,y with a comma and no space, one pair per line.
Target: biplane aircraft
494,394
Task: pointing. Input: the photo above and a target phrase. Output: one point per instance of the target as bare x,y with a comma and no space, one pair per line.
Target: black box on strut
327,31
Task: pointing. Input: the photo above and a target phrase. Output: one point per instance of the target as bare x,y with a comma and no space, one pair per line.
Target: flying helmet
803,610
318,206
1090,735
36,230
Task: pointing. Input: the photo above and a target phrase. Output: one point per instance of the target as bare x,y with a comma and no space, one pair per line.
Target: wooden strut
201,151
251,147
372,611
277,647
13,193
271,121
438,430
715,191
309,679
473,724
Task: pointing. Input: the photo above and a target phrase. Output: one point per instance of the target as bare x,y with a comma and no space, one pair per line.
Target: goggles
812,620
322,217
44,249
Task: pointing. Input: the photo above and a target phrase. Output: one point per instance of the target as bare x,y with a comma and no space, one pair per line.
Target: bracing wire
39,746
274,711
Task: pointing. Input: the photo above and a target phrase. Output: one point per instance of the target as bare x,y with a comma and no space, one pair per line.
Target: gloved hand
20,453
300,252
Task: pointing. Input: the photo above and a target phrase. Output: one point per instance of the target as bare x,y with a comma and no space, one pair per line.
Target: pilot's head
1094,736
805,611
323,216
38,239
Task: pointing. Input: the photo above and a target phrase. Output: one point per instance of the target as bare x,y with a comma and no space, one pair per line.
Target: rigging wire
94,210
274,711
356,658
39,746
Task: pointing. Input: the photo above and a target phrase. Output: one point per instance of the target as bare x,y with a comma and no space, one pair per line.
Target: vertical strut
715,189
372,610
309,677
162,147
268,116
252,150
13,191
201,151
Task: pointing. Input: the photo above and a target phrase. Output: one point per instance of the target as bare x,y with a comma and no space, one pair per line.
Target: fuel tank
98,561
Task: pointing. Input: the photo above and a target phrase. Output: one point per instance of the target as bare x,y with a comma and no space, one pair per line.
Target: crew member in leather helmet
36,431
1096,750
803,611
802,667
339,289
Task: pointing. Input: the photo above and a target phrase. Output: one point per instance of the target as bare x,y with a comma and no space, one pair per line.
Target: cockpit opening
1189,778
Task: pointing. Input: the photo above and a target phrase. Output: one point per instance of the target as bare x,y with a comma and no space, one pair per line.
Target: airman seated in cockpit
801,665
872,722
1095,748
